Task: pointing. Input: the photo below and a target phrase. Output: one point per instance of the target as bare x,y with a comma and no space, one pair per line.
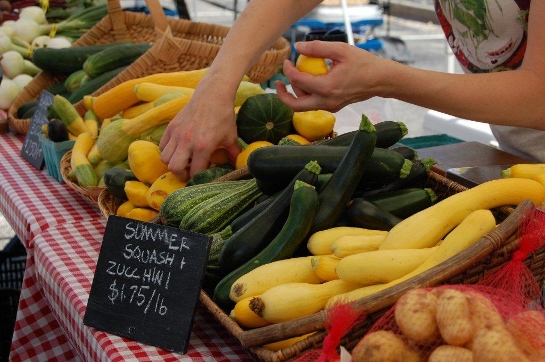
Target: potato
482,311
495,344
448,353
527,329
453,317
383,346
415,315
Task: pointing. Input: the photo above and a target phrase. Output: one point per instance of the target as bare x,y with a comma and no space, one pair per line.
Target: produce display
317,220
26,29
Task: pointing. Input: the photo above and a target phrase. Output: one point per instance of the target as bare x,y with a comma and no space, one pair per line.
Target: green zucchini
405,202
251,213
339,189
212,273
388,134
366,214
406,151
303,208
275,166
415,178
113,57
246,242
218,211
115,179
93,84
209,175
65,61
178,203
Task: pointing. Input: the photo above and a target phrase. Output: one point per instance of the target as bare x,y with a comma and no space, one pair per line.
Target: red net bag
502,318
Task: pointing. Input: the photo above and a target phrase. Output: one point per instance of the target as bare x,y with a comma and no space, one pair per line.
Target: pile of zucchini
363,178
83,69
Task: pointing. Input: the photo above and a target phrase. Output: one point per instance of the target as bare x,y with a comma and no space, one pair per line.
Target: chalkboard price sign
32,147
147,282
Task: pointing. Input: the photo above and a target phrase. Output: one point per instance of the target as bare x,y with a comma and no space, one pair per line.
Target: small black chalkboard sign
32,147
147,283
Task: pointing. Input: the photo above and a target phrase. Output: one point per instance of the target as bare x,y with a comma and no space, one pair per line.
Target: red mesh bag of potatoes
502,318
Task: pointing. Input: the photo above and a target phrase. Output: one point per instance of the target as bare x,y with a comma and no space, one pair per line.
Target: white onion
12,64
31,68
8,28
27,29
6,44
35,13
41,41
22,80
59,42
8,92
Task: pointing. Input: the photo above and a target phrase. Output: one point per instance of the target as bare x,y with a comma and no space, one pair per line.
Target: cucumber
275,166
217,212
339,189
246,242
57,88
23,108
93,84
113,57
65,61
74,80
303,208
30,112
178,203
366,214
405,202
388,134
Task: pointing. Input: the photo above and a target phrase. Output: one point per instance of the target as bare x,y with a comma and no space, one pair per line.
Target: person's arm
207,122
514,98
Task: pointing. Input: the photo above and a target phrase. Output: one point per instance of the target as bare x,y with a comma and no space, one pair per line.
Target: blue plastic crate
53,152
370,44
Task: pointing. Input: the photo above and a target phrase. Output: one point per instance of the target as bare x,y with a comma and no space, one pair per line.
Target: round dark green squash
264,117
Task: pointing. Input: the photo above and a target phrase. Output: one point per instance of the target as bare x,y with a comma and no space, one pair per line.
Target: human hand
355,75
205,124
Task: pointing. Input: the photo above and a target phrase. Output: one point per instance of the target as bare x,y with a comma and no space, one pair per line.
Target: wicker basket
466,268
90,194
179,44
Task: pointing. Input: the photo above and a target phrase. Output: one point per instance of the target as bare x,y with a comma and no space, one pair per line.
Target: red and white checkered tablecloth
62,234
30,199
65,257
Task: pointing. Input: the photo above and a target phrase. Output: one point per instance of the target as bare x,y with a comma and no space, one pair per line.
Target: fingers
321,49
178,162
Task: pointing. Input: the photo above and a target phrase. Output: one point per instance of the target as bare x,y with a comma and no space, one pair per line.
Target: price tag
147,282
32,147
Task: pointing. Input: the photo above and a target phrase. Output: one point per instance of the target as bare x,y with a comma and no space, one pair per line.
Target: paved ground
424,42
